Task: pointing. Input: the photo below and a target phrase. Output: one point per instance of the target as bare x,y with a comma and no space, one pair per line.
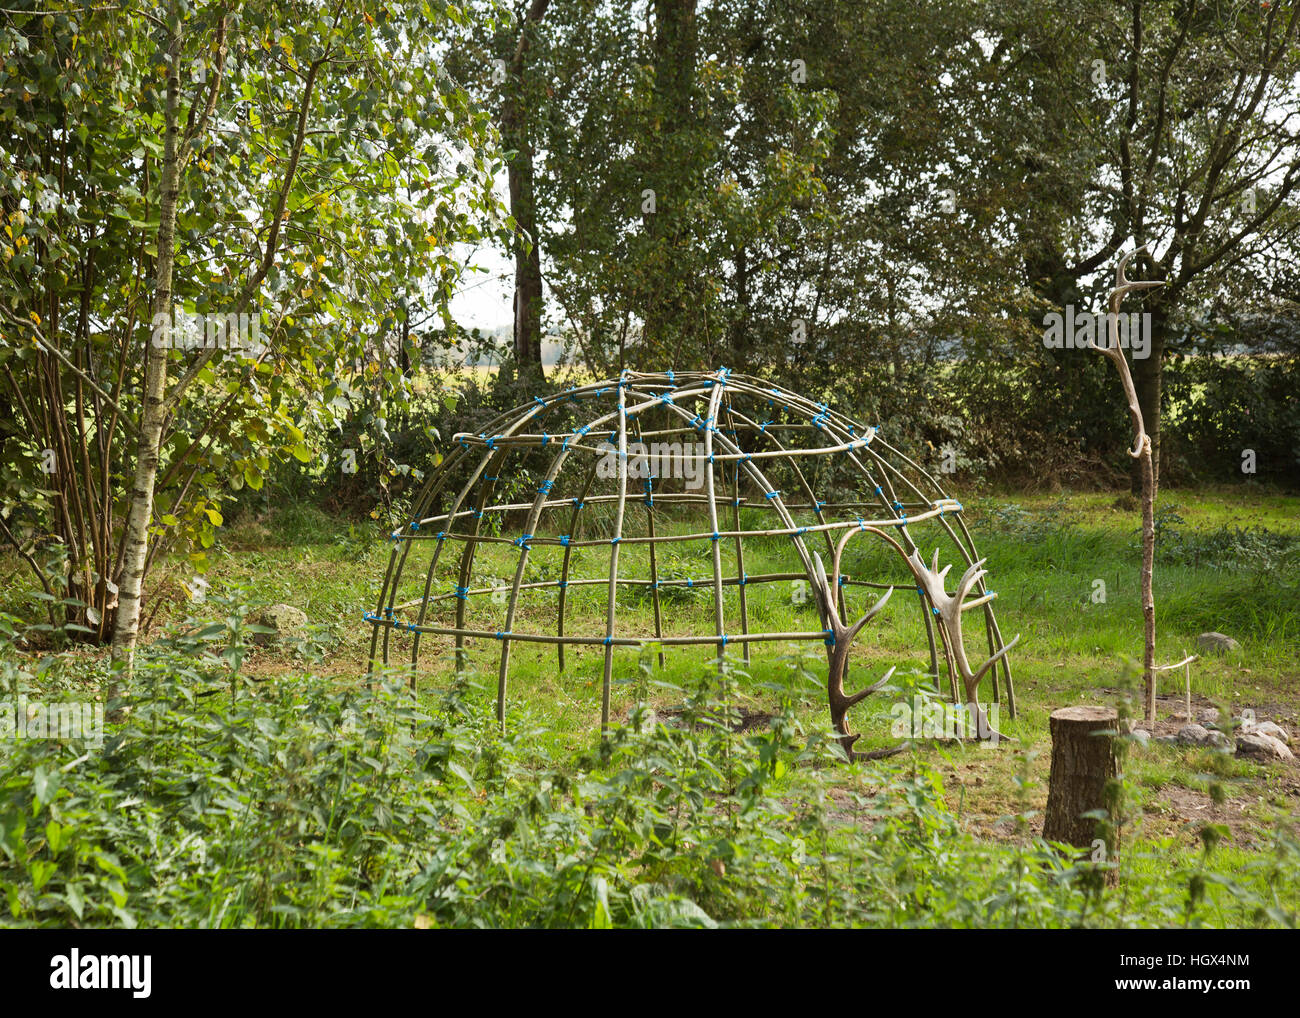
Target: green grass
1045,555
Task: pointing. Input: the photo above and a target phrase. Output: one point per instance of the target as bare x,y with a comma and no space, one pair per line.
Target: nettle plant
302,168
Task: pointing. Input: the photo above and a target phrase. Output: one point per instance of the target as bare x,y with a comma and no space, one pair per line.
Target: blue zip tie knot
830,637
564,540
462,593
762,428
561,583
545,438
540,402
415,524
493,478
477,513
608,640
544,487
690,582
715,536
578,503
615,540
878,491
744,578
843,580
440,536
502,635
819,507
771,494
665,398
522,541
490,442
723,637
801,531
671,377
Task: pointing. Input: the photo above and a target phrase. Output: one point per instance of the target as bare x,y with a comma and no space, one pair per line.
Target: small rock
1218,739
1217,643
1208,717
1268,728
1140,737
1193,735
1264,746
288,622
1167,740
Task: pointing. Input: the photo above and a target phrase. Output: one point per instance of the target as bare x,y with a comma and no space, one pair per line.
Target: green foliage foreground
215,801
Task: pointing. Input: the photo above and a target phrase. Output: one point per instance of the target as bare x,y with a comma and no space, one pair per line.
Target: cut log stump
1082,763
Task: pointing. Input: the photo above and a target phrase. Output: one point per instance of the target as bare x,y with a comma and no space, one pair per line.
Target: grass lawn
1227,562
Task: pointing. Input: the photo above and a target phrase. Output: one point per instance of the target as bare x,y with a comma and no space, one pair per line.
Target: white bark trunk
154,414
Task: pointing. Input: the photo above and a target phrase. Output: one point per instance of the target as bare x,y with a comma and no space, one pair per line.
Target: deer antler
1113,351
949,608
838,641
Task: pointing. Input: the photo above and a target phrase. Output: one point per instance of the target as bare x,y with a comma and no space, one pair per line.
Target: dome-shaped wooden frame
721,410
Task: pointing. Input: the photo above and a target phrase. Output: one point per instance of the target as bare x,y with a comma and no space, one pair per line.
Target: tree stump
1082,763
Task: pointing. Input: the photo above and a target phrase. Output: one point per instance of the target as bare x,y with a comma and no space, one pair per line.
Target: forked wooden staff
1141,452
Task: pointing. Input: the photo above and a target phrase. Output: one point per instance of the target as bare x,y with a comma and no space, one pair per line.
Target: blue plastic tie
545,487
564,540
522,541
771,494
462,593
830,637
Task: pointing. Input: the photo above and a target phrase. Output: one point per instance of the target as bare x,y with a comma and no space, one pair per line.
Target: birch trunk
154,413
